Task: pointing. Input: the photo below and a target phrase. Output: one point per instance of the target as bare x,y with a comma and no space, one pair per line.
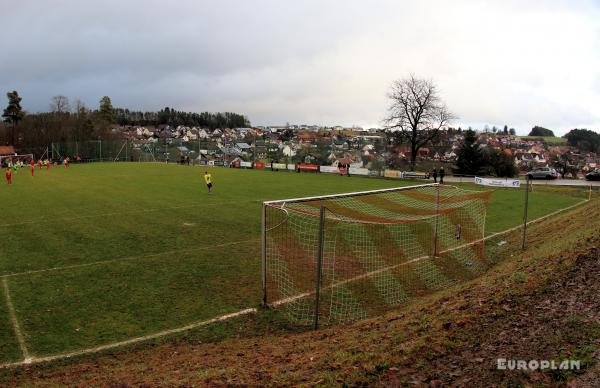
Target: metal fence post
437,218
264,253
525,212
319,264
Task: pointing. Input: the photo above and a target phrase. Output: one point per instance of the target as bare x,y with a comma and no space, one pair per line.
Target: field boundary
61,356
36,360
15,323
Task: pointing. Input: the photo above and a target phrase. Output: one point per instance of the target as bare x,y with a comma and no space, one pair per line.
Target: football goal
12,159
339,258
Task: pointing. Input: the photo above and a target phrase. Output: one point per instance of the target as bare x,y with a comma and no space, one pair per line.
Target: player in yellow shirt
208,180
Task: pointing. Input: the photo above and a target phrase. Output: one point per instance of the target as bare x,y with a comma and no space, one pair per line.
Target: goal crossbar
345,195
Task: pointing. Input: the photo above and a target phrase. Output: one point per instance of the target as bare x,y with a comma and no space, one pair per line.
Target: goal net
340,258
5,160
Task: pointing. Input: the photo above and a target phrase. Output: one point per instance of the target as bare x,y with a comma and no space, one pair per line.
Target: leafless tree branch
415,114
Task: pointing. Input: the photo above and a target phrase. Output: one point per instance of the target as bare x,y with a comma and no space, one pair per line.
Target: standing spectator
435,175
442,173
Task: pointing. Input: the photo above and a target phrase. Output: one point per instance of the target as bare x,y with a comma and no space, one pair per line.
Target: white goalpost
344,257
5,160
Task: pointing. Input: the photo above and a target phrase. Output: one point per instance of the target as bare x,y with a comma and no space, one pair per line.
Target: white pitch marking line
13,317
125,259
116,213
35,360
537,219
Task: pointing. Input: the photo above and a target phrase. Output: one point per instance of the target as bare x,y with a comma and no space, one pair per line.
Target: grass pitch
101,253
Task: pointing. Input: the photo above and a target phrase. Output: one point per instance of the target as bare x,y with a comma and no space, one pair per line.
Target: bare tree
60,104
79,107
416,114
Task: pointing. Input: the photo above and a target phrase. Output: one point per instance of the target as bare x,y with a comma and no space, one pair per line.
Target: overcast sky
519,63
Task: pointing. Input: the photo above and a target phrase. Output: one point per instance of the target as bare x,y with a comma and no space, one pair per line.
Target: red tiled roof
7,150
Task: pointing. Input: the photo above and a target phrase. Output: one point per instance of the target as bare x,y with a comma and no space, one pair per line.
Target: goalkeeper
208,180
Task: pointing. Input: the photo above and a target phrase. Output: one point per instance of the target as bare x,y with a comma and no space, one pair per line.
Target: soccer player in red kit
67,162
8,176
40,164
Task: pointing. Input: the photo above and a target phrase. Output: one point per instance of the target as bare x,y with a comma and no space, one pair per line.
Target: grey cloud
325,62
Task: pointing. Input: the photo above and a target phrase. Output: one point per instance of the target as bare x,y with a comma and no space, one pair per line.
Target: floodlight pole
264,253
319,264
525,212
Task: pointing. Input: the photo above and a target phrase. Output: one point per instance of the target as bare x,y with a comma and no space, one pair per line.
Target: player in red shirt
67,162
8,176
40,164
78,159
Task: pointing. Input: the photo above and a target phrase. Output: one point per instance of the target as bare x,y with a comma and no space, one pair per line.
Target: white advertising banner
211,162
329,169
291,166
279,166
245,164
498,182
359,171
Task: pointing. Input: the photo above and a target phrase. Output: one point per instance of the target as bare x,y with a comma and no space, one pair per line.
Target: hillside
549,140
538,304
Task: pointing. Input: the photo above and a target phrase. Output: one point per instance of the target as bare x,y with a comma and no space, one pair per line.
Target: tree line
71,122
174,117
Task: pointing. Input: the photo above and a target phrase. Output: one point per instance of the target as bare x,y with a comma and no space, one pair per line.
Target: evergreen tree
540,131
501,164
512,131
470,160
584,139
505,129
13,113
107,112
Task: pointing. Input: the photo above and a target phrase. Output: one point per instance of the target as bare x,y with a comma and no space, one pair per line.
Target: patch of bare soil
559,322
